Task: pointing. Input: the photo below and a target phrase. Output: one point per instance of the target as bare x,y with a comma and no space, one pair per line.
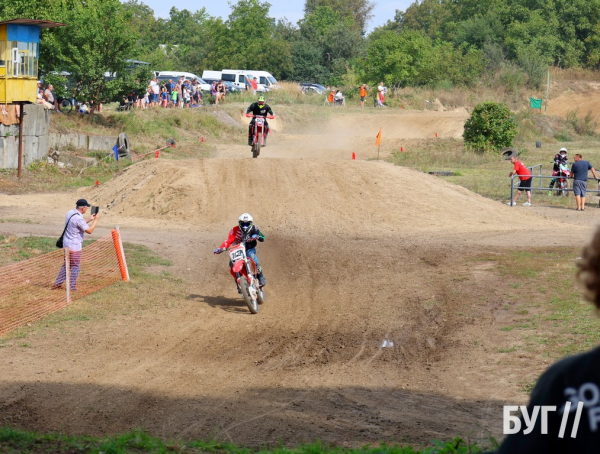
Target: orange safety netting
29,289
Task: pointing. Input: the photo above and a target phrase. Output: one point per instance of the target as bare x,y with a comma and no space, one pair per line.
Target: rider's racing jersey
256,110
558,160
237,235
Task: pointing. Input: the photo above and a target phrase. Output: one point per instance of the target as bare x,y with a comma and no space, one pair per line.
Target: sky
293,10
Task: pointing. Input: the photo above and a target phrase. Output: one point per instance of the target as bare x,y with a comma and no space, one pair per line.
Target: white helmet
245,222
562,149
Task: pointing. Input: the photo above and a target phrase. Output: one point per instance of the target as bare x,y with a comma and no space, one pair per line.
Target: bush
491,127
582,126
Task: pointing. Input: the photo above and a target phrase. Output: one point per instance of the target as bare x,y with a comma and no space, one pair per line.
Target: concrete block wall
36,123
81,141
37,140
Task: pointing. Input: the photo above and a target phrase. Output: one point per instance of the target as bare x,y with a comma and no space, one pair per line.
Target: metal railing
536,174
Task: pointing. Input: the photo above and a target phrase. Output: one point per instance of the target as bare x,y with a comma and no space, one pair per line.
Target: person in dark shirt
579,172
575,379
259,107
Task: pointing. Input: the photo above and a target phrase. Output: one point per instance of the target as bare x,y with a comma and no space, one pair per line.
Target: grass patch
487,174
17,221
13,249
159,289
551,318
13,441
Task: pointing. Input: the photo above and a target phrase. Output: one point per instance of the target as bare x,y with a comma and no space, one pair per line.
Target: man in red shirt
525,185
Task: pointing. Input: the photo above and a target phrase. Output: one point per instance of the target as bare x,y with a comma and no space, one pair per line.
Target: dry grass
574,75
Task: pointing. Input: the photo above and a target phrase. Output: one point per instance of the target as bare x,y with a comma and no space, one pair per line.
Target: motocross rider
560,158
250,233
259,108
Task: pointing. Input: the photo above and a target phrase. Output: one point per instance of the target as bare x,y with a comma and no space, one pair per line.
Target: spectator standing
220,92
154,92
579,172
175,97
381,91
574,381
164,95
525,181
213,90
363,95
254,85
75,229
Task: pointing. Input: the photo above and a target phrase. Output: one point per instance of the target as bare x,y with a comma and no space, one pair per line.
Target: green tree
248,39
412,58
358,11
491,127
97,42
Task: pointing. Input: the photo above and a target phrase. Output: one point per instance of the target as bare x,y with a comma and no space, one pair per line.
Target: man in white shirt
155,92
75,229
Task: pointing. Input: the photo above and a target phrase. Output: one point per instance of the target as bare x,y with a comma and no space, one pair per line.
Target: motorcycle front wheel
256,149
251,303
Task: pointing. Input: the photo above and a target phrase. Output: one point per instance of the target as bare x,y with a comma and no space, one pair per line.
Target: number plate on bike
236,254
260,121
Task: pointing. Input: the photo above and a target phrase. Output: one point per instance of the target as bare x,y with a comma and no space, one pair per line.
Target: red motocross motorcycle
259,133
245,271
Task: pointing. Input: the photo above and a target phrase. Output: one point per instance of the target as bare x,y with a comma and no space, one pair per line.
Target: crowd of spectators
178,93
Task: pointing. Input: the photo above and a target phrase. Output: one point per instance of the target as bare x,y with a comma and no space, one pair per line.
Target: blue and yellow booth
19,56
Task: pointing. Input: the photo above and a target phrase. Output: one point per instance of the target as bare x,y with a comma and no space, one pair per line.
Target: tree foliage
561,32
96,41
357,11
491,127
412,58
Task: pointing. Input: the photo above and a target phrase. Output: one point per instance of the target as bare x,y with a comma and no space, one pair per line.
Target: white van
237,77
211,75
265,79
166,75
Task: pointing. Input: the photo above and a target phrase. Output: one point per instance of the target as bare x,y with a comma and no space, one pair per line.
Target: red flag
378,138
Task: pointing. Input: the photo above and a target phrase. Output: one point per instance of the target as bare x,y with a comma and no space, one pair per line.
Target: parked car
309,87
231,88
166,75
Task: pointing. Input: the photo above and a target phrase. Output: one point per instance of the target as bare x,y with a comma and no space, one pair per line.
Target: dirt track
357,252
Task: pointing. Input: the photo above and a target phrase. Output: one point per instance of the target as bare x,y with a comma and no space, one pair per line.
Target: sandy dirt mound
584,103
366,198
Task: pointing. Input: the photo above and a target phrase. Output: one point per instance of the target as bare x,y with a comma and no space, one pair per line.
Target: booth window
23,60
2,54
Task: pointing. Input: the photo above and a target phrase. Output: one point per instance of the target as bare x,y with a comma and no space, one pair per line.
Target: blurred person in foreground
574,379
75,229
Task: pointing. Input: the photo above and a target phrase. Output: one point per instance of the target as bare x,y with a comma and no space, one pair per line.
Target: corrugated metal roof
38,23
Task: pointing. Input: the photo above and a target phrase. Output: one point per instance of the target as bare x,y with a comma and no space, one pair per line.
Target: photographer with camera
75,229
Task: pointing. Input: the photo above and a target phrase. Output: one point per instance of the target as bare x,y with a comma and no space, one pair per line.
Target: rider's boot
262,280
265,141
250,139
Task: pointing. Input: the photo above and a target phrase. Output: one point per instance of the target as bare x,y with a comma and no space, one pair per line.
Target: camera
95,210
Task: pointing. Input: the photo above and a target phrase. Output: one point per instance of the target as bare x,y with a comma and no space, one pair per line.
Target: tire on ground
123,144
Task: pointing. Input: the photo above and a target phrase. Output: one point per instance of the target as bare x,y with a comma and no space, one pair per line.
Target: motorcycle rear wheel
252,304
